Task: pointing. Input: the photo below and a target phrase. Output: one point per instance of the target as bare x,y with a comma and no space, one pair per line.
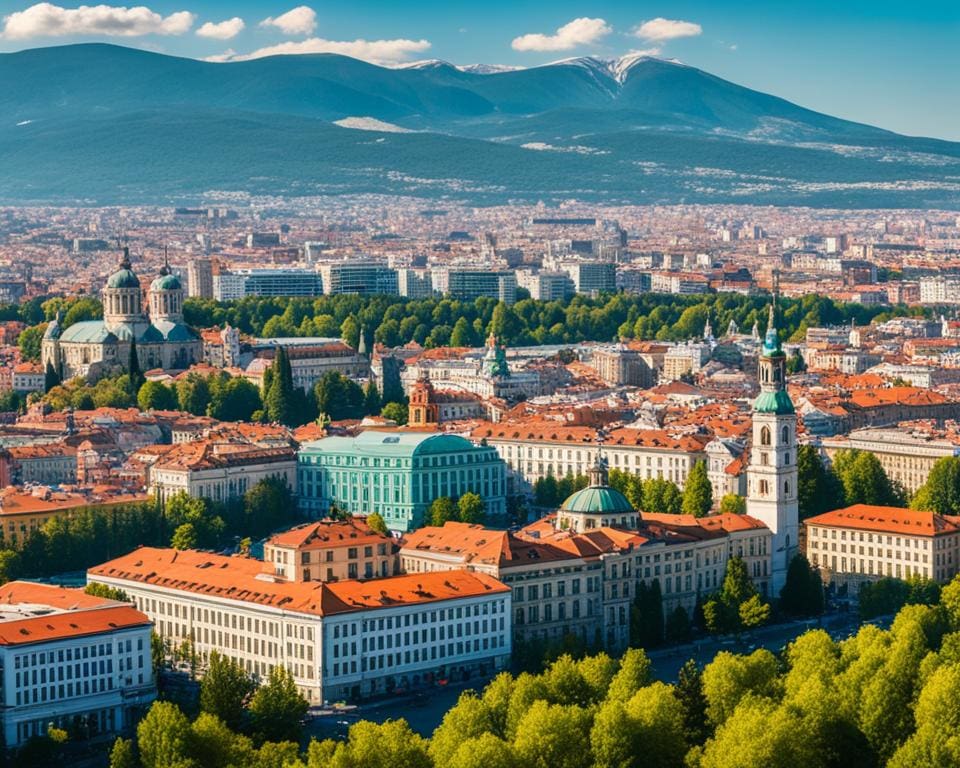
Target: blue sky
892,64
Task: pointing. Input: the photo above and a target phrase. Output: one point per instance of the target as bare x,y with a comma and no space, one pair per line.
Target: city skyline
885,64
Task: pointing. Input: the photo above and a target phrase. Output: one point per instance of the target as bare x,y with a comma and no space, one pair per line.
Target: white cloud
224,30
582,31
374,51
661,29
302,20
48,20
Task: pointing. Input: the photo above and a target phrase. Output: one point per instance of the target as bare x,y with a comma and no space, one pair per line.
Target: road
425,713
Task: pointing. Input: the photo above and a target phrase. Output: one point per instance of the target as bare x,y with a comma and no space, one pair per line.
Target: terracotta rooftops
13,501
326,534
866,517
36,613
241,579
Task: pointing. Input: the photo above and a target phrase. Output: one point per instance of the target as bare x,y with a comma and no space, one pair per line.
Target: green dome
598,500
123,278
778,402
166,283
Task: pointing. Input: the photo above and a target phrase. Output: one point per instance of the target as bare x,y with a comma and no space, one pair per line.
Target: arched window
785,434
765,436
786,486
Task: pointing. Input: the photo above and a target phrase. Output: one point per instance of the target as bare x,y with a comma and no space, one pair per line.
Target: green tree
646,616
470,508
661,496
339,397
396,412
442,510
371,399
277,708
234,399
545,492
689,692
467,719
753,612
213,745
97,589
818,489
698,492
864,481
50,377
388,745
941,492
185,537
634,673
156,396
193,394
30,342
133,370
122,755
554,736
484,751
733,503
163,736
462,335
225,689
267,506
377,523
678,627
802,593
729,678
279,401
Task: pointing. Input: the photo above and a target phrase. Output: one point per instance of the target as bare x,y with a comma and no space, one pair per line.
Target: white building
339,640
69,659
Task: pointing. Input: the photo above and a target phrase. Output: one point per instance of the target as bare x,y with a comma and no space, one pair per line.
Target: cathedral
96,348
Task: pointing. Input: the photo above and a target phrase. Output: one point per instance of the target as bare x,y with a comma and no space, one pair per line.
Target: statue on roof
495,359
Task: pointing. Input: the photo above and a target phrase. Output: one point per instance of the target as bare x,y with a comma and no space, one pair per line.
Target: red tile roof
895,520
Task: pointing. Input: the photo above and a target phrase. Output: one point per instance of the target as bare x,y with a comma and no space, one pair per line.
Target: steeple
125,258
598,473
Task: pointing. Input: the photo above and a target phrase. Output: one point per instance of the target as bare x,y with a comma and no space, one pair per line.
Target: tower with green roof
772,474
598,505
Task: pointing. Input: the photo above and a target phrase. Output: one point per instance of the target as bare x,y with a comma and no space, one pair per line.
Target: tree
156,396
442,510
661,496
725,611
279,400
484,751
214,745
396,412
133,370
941,492
802,593
163,736
339,397
863,479
678,626
689,692
50,377
470,508
225,689
818,489
267,506
97,589
634,674
388,745
234,399
553,736
462,335
371,399
377,523
733,503
753,612
185,537
698,492
30,342
277,708
467,719
193,394
121,755
545,492
729,678
646,616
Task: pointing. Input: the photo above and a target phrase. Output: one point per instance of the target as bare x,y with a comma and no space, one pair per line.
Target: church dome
123,278
598,500
166,283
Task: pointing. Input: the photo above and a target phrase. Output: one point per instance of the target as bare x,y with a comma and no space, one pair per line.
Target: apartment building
332,550
48,464
534,450
864,543
361,277
69,659
339,640
310,359
214,469
906,455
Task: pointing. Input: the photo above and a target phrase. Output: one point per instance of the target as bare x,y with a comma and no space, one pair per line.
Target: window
765,436
785,435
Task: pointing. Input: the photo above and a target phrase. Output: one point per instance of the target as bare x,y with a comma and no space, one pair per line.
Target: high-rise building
200,278
470,284
414,283
772,474
361,277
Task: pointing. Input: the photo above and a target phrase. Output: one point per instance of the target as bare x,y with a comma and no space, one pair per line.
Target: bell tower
772,474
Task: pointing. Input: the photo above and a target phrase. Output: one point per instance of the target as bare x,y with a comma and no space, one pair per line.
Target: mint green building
398,475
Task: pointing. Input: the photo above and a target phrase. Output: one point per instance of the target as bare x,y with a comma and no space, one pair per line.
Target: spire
599,476
362,343
165,269
125,259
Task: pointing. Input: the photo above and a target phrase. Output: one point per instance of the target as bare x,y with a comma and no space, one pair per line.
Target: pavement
425,711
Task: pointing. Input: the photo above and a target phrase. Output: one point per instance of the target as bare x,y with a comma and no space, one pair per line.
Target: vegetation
802,594
737,606
941,492
855,477
697,492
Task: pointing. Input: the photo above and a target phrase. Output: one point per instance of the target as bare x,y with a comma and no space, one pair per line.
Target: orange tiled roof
867,517
241,579
15,502
60,626
326,534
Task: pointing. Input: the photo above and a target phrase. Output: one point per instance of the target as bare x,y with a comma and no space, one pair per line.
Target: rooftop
896,520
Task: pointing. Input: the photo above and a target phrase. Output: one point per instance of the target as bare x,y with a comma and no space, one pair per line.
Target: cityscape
575,409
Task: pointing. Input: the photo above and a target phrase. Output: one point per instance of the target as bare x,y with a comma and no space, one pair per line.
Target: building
310,359
864,543
93,348
397,474
28,377
332,550
414,283
470,284
591,277
24,511
906,455
200,278
684,359
772,472
237,283
216,470
46,464
429,406
361,277
546,286
339,640
71,660
619,365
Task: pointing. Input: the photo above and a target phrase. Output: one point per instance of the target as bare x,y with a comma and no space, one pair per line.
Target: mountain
101,123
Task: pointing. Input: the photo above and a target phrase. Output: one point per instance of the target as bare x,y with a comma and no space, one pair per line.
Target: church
95,348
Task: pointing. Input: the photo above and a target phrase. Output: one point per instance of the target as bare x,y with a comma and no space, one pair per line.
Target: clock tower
772,474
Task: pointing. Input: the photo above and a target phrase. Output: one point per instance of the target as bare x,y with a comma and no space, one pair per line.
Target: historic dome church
95,348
